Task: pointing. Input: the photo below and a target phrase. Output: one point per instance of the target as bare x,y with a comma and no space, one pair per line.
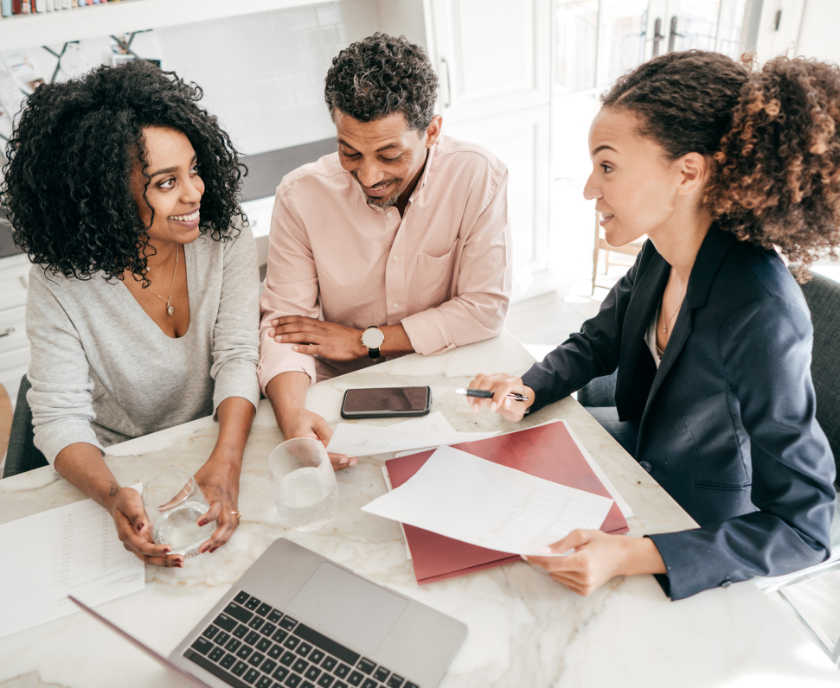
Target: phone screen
384,399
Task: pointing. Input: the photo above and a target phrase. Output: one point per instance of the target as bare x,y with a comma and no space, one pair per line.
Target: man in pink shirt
397,243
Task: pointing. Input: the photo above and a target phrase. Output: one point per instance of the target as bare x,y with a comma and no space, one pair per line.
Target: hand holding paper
483,503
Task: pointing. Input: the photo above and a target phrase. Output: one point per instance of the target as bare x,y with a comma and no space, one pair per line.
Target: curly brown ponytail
773,133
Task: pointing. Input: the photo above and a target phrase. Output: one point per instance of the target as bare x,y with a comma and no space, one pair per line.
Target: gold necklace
667,322
170,309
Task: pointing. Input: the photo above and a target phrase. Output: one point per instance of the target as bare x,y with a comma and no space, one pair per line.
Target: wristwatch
372,338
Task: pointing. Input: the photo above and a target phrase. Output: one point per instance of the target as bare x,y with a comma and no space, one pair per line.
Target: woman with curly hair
709,333
142,308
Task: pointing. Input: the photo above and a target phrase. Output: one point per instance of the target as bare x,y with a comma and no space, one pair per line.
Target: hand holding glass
303,483
174,505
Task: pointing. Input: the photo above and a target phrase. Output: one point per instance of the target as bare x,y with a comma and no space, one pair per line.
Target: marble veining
524,629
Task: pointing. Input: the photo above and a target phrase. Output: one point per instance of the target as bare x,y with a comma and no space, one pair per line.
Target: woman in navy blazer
710,334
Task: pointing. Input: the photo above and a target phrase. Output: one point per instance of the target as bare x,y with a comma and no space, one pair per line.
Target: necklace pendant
170,310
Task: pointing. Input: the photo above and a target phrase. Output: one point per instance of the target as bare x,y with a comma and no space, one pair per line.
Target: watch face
373,338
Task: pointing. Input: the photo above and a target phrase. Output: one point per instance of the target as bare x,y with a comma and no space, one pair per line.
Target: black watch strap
373,353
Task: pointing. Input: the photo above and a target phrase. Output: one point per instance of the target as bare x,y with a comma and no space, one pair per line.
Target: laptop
296,619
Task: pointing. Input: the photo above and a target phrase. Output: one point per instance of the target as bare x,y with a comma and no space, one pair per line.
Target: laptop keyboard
253,645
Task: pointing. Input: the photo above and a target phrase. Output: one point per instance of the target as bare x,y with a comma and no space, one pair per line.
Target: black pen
487,394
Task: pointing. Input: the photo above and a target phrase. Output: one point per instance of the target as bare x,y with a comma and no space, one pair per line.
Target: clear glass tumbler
303,483
174,504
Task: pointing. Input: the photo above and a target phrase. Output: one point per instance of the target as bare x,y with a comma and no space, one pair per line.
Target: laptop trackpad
347,607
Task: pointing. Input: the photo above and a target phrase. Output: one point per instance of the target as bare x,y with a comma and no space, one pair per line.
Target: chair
631,249
22,455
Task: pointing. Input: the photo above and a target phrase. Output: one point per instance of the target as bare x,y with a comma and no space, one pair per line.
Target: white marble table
524,629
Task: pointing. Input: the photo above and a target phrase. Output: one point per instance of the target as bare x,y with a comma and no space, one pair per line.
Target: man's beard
383,201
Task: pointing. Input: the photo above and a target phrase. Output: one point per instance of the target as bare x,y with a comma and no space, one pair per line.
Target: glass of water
174,504
303,482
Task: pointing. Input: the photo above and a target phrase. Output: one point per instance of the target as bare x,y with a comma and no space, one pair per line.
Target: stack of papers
489,505
72,549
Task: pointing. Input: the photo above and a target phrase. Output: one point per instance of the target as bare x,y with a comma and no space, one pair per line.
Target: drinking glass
303,483
174,504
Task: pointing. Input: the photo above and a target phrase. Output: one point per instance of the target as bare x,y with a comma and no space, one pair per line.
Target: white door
491,55
594,43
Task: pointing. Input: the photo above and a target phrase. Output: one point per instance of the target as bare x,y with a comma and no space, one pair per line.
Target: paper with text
483,503
369,440
71,549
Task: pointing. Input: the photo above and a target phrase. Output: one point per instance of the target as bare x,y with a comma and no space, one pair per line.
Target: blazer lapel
712,252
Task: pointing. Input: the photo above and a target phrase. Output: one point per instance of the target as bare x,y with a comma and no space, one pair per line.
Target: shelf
49,28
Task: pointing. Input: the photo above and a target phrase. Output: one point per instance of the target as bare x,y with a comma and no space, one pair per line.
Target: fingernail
167,549
213,550
294,348
180,565
544,550
278,339
202,522
524,558
353,462
343,461
139,527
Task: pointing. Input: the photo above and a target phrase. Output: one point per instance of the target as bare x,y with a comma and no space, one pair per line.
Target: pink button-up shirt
443,269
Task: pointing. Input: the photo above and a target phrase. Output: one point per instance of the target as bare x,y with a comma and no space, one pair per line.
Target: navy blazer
726,424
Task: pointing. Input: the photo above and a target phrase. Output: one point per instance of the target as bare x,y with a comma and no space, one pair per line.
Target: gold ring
237,514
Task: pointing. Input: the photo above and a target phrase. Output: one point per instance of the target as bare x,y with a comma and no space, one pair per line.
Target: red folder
546,451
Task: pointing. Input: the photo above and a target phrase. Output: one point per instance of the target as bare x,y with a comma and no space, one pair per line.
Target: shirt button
726,583
396,258
647,465
388,214
395,305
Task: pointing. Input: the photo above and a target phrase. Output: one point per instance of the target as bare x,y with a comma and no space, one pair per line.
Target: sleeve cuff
276,359
51,438
236,379
428,333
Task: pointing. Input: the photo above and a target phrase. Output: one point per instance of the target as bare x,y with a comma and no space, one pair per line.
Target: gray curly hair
380,75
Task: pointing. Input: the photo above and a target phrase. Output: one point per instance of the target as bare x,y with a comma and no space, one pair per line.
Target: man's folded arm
479,306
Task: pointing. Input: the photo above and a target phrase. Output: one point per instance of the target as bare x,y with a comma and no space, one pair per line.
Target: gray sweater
103,372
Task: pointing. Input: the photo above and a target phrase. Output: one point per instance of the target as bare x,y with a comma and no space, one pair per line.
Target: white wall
263,74
818,31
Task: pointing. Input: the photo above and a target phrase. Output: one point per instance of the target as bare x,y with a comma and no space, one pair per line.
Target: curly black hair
773,134
381,75
67,187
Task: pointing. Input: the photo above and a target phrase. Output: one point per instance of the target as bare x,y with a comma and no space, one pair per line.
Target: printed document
369,440
71,549
483,503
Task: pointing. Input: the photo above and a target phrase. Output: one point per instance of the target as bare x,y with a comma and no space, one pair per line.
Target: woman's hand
501,385
219,480
134,530
597,558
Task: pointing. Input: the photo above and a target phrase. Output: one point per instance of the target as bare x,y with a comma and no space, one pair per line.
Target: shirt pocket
434,277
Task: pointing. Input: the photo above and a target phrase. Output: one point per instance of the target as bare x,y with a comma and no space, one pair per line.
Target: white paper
71,549
483,503
434,422
369,440
623,506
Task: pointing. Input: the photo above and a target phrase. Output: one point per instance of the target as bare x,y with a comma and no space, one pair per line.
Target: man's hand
597,557
318,338
306,423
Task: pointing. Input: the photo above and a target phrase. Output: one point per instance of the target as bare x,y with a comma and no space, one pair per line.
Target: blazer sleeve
765,347
590,353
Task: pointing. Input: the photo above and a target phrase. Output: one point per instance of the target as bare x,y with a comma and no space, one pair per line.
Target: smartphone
386,402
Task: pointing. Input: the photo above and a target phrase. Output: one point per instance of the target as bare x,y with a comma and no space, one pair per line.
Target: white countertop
524,629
